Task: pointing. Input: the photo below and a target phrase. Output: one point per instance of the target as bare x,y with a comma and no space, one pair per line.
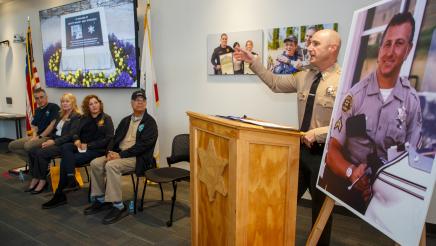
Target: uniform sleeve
34,123
414,123
277,83
214,58
321,134
76,131
339,121
54,112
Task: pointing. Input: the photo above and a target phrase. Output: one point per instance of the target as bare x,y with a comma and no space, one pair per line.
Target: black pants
310,161
72,158
40,159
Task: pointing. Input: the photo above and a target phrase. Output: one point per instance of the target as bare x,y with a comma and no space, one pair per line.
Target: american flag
32,80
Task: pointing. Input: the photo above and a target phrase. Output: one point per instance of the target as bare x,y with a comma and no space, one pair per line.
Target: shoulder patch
346,105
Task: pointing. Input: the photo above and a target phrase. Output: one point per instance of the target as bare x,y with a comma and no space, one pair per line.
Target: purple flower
126,51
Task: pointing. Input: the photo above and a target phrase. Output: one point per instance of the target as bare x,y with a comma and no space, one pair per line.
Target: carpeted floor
23,222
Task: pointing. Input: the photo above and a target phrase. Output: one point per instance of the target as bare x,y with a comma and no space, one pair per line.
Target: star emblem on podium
211,171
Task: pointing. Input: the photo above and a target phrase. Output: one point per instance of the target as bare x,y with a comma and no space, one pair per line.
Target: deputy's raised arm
277,83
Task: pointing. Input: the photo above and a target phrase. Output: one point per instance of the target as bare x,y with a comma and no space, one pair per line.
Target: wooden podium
244,181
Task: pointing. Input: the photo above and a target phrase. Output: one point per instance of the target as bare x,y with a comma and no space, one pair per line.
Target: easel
324,215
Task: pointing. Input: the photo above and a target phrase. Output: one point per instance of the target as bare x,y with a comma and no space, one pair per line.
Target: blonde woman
65,126
91,138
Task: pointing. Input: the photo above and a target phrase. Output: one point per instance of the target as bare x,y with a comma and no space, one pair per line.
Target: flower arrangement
124,58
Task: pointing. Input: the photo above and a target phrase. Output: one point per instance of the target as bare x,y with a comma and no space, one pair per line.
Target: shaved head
331,36
324,48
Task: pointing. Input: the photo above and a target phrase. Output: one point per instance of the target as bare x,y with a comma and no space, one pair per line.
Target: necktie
305,124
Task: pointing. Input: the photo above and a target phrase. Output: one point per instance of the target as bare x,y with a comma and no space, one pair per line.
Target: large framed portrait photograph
380,152
221,47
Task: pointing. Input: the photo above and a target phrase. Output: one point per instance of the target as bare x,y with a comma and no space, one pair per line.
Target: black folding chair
179,153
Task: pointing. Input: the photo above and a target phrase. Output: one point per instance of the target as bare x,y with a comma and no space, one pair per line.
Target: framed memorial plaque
84,46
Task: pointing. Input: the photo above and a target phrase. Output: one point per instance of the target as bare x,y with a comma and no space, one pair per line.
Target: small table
15,117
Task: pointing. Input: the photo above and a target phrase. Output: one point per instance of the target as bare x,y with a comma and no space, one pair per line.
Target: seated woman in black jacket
39,159
90,141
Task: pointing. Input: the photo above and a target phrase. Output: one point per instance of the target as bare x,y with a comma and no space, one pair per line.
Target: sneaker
57,200
97,207
115,215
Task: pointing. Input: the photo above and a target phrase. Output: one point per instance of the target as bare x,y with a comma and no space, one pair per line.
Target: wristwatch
349,172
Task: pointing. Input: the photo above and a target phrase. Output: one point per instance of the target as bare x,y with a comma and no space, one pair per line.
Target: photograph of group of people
220,49
380,151
287,51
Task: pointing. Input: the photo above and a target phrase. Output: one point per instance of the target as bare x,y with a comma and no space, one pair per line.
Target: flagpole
148,82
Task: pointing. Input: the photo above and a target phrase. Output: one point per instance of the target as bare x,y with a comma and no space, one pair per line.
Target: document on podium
268,124
248,120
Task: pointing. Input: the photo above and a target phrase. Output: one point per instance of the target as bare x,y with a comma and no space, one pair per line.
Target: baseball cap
139,93
290,38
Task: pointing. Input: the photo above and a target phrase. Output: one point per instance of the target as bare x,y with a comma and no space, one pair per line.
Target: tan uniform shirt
130,138
301,83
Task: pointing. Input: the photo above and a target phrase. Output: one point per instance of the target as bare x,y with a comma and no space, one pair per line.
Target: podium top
241,125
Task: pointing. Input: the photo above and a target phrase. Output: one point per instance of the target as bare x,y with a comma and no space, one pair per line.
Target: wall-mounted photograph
287,47
84,46
220,48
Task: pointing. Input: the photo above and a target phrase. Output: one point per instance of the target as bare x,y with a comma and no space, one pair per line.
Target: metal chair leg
143,193
87,174
89,192
161,192
133,182
170,222
135,200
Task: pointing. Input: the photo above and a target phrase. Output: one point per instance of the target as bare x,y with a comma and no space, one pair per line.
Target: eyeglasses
139,100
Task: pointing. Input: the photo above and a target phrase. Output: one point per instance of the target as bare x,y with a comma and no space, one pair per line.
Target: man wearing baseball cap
284,63
131,149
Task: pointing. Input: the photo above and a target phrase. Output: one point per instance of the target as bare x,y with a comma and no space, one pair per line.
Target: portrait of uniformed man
222,49
379,112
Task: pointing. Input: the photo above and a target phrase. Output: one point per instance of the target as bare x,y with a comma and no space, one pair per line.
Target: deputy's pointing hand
243,55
